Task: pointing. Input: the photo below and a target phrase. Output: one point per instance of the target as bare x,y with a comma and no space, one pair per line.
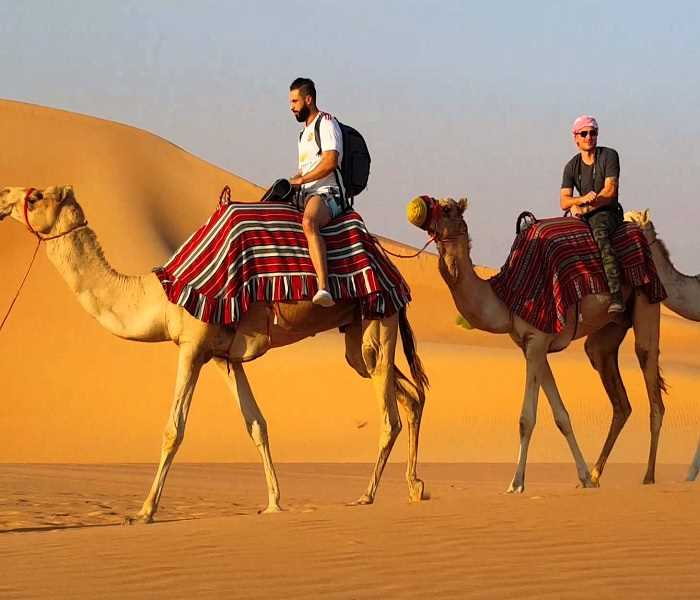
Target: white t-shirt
331,139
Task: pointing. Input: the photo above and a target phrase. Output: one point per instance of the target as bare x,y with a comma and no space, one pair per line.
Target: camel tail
420,379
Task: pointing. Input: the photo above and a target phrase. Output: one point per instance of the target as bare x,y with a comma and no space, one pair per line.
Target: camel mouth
5,213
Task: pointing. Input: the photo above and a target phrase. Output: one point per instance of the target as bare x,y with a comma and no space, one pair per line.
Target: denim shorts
333,200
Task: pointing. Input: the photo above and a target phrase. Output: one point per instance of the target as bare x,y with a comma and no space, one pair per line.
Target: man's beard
302,115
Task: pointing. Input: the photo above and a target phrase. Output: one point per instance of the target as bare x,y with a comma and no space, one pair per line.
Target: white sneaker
323,298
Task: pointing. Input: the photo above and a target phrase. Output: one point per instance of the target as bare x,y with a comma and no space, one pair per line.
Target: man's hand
296,181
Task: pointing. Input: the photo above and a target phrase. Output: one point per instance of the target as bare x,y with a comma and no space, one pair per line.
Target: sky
454,99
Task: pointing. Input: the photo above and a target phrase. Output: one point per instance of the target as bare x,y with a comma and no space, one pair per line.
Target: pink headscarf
583,121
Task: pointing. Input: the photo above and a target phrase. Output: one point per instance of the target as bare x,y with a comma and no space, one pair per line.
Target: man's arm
577,204
607,194
328,164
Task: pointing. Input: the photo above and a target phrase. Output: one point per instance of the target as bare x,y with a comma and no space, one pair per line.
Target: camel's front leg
535,353
378,346
257,428
563,422
646,324
188,369
695,465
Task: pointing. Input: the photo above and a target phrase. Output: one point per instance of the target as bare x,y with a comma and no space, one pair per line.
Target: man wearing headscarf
594,173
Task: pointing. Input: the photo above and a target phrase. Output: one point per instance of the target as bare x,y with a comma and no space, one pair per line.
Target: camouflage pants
602,224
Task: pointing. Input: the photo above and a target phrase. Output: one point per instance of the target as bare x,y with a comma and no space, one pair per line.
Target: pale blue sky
454,98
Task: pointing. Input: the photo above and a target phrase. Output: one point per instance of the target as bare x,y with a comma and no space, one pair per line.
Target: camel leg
413,409
257,427
646,345
563,422
602,348
188,369
378,348
695,465
528,414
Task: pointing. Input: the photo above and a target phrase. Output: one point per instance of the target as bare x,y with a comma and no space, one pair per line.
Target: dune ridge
73,393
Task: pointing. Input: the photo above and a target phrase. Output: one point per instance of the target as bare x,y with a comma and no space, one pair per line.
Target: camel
136,308
480,306
683,290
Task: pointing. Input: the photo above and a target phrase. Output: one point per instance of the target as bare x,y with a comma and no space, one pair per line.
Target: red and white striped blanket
250,253
556,262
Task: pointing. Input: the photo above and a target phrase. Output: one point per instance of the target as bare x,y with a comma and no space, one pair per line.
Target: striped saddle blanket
250,253
556,262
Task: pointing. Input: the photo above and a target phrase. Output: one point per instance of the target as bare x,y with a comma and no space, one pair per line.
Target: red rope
21,285
432,239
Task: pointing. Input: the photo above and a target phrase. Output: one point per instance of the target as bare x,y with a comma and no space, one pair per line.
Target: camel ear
646,215
67,193
463,203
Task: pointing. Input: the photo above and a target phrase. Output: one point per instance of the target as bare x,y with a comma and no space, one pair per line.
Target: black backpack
354,168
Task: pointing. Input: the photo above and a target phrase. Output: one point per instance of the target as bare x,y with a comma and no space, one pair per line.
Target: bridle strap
39,236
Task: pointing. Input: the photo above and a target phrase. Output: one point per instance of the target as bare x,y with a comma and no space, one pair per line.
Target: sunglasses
592,132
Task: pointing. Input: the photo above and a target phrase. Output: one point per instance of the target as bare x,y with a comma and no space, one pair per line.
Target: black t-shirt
585,178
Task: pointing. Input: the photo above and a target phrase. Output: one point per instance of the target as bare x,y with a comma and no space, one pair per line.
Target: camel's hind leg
695,465
188,369
378,349
563,422
412,404
646,345
602,348
256,425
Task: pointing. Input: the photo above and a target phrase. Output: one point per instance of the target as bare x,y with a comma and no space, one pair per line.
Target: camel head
444,220
40,210
643,220
441,218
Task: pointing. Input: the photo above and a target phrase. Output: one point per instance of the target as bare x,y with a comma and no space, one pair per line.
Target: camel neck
474,297
113,299
683,290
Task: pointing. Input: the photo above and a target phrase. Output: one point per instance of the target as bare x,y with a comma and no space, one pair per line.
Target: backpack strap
317,132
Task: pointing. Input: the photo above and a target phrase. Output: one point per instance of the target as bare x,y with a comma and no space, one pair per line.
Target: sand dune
73,393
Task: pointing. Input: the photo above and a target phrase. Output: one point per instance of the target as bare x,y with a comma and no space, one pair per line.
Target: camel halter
40,238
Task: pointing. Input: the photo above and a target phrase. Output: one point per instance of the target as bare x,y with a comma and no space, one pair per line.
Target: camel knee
563,423
172,438
644,355
372,357
389,433
258,432
657,415
622,413
527,425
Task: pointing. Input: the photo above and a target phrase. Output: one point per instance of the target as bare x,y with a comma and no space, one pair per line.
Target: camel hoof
649,481
589,483
363,500
693,475
138,519
515,489
271,509
416,491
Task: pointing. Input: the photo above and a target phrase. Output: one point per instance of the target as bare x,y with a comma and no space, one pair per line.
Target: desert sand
79,404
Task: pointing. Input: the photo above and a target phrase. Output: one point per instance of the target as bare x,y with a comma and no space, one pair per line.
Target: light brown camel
478,304
683,290
136,308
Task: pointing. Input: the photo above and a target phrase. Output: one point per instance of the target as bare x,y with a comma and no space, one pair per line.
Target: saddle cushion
556,262
249,253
